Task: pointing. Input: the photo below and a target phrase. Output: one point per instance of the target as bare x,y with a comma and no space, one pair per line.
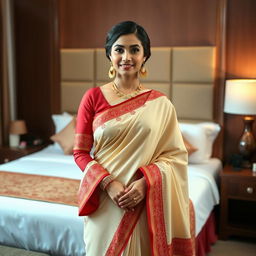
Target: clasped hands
127,197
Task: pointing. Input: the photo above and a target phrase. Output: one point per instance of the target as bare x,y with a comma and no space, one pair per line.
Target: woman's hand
115,190
133,194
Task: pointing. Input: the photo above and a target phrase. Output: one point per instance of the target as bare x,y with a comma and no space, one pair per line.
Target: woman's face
127,55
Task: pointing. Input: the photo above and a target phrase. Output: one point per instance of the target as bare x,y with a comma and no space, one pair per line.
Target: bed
55,228
41,228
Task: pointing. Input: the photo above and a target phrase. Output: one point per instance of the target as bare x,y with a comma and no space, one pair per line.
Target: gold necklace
120,94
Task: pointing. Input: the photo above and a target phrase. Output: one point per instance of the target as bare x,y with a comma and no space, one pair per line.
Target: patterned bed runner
39,187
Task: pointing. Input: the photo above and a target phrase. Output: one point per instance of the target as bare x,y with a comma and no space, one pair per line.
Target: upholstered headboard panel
184,74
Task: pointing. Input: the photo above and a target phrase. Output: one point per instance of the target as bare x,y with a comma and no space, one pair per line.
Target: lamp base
14,140
247,143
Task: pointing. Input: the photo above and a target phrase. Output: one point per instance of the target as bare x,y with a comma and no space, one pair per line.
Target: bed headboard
184,74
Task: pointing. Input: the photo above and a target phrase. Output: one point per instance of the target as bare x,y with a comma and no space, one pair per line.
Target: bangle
106,181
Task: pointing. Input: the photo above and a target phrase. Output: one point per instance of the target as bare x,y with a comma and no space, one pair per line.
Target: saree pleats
139,242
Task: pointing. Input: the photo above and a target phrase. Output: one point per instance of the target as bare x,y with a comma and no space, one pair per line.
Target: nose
126,56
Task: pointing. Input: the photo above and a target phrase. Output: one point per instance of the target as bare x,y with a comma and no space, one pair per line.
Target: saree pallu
136,137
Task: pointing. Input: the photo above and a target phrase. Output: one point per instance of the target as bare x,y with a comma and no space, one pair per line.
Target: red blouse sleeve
83,138
92,103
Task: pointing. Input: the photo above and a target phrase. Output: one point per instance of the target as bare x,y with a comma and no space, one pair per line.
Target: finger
124,201
124,197
130,203
129,191
129,194
129,187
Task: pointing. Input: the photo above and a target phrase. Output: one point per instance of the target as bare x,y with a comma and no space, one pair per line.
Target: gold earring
111,72
143,71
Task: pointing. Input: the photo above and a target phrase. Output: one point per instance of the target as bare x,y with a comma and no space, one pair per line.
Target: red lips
126,66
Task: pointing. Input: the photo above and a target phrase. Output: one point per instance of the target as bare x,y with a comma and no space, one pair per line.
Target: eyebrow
131,46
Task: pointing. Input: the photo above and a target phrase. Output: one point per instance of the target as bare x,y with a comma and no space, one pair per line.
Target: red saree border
88,196
179,244
124,231
192,225
125,107
156,217
159,245
83,141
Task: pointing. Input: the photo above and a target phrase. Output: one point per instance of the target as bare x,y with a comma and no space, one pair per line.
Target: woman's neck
127,84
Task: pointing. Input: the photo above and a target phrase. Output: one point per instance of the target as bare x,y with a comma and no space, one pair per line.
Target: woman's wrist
106,181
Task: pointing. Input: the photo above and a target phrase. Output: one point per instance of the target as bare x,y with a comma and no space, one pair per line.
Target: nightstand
8,154
238,203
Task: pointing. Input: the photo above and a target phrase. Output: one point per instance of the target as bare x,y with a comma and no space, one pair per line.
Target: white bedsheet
56,228
203,190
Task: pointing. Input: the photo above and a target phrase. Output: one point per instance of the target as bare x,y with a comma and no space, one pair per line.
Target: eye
119,50
135,50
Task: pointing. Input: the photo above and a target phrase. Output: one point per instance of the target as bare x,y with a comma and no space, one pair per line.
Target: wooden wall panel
168,22
240,61
37,64
241,39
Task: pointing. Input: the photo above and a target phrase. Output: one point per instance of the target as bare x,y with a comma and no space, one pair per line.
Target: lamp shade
18,127
240,97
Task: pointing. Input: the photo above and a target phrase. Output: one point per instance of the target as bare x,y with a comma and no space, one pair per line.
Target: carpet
234,247
10,251
39,187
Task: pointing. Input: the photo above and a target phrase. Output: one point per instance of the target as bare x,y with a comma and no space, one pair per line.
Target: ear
144,59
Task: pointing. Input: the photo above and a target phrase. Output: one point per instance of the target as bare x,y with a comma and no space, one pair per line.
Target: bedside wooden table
238,203
9,154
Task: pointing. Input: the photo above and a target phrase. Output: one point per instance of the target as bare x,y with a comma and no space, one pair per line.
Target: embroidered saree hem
157,223
88,194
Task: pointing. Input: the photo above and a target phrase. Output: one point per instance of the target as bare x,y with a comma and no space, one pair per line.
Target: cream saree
136,137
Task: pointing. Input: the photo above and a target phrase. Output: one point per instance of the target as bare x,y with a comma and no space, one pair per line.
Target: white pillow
201,136
60,122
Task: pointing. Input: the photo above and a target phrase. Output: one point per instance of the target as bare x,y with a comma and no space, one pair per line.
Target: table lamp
17,128
240,99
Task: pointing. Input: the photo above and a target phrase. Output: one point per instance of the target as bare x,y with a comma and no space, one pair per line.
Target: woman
134,191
